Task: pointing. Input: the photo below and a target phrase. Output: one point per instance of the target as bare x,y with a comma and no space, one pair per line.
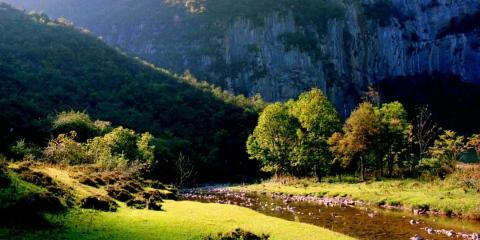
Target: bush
445,154
66,122
22,150
434,167
448,147
121,147
99,150
64,149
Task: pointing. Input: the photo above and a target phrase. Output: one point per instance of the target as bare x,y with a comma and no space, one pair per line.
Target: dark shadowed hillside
48,66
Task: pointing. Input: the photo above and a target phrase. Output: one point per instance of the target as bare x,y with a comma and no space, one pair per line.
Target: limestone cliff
278,54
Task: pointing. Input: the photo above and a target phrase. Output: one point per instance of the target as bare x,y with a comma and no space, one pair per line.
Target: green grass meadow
179,220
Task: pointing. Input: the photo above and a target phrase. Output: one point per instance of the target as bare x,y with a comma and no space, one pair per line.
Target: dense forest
48,66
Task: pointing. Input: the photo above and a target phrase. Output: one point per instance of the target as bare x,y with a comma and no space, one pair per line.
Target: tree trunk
362,169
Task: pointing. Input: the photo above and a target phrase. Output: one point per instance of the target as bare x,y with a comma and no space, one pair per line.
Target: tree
274,138
372,96
445,153
184,170
146,149
474,143
123,141
424,131
357,145
318,120
23,150
393,140
449,147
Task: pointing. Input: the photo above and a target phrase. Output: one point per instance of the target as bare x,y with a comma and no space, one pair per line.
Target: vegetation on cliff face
48,67
304,11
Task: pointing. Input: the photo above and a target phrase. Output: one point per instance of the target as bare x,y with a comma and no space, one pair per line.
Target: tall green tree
356,146
274,138
394,136
318,121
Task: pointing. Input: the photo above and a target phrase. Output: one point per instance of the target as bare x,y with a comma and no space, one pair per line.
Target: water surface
362,222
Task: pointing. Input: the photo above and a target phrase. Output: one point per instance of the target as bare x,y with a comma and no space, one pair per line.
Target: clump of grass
395,203
238,234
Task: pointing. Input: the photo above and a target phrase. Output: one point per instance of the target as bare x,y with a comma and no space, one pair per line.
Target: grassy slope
179,220
17,189
446,195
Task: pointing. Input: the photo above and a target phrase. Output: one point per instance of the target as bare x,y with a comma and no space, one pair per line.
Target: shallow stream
344,216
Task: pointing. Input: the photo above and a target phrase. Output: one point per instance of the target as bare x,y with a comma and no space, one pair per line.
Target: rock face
278,56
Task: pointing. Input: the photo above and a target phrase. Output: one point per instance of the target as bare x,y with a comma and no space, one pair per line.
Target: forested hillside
49,66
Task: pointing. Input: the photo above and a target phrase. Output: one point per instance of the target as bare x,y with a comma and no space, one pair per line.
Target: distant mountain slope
280,48
47,66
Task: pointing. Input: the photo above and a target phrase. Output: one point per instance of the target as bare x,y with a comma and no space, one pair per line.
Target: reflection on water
342,216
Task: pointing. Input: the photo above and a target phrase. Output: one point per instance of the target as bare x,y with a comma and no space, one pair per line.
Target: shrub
474,143
448,147
99,150
434,167
103,127
80,122
64,149
121,147
22,150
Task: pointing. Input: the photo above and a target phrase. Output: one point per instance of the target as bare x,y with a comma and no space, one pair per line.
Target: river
343,215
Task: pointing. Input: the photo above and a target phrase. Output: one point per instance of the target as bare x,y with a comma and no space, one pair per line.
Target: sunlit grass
179,220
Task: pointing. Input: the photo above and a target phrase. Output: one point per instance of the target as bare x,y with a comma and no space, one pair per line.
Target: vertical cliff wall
282,52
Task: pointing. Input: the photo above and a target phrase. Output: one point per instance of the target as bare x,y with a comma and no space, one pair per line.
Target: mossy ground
458,193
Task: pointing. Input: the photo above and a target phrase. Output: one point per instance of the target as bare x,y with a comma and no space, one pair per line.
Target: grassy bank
458,194
179,220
